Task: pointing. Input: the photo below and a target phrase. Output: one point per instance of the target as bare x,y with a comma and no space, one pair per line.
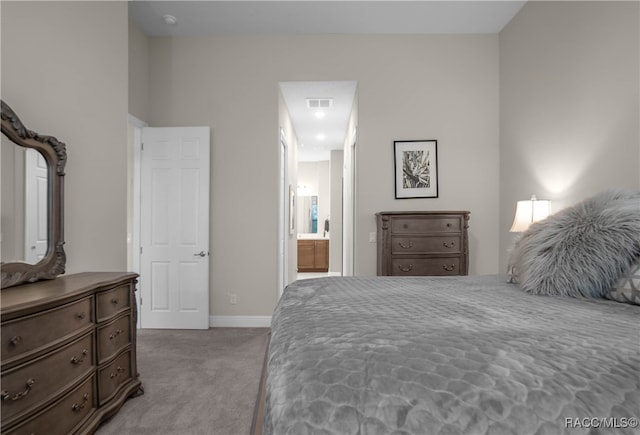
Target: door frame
134,202
133,216
348,207
283,206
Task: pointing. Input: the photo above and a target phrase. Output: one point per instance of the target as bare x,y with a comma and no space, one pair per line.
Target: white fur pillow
583,250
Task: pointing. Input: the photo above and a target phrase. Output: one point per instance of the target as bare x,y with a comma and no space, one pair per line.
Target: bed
468,354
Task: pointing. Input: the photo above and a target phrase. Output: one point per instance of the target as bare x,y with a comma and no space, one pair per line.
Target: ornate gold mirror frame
55,154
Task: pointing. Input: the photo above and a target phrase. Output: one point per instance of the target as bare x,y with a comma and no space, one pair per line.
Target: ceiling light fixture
169,19
321,136
320,114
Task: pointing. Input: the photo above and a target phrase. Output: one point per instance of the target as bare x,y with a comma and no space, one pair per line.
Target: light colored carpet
195,383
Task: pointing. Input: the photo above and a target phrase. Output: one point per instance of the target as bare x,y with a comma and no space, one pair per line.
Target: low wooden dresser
68,352
423,243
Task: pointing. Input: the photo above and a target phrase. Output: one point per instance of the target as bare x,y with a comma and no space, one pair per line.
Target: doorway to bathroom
321,145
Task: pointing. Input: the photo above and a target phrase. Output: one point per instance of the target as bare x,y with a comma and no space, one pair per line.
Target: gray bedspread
449,355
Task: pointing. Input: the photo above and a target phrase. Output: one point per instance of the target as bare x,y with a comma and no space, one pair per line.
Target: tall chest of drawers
422,243
68,352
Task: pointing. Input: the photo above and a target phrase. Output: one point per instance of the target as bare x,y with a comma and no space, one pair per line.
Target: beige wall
569,115
138,73
410,87
335,221
193,83
430,87
64,71
324,193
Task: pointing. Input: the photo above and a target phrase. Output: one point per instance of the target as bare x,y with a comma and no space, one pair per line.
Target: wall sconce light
528,212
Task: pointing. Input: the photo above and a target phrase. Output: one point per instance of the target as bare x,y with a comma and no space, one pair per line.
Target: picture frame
416,168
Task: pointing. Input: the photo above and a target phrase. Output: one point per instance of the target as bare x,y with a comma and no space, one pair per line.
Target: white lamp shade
528,212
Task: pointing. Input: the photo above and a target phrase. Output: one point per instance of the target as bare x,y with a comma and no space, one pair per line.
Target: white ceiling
262,17
332,126
328,16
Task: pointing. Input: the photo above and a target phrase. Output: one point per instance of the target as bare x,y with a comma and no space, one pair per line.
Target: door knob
201,254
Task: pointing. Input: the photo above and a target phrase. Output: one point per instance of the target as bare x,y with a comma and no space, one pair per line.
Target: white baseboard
240,321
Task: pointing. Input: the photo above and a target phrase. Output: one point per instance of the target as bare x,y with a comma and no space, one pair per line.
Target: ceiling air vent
319,103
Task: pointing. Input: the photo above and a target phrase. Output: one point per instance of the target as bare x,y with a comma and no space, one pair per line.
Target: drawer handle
7,396
405,269
76,361
114,301
449,268
119,370
75,407
402,245
449,245
16,340
115,334
448,225
81,316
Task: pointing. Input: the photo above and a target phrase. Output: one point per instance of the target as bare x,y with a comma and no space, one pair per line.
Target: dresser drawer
62,417
412,225
111,302
422,245
111,376
43,329
425,266
113,336
27,386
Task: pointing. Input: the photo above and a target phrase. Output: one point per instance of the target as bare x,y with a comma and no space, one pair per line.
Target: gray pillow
583,250
627,289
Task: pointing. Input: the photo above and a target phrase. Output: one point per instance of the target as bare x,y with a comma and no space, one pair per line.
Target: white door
36,218
174,228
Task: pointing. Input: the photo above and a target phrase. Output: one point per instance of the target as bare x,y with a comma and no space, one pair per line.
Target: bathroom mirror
308,207
32,240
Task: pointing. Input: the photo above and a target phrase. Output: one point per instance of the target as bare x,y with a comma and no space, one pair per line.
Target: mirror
24,204
314,189
32,242
308,206
311,224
